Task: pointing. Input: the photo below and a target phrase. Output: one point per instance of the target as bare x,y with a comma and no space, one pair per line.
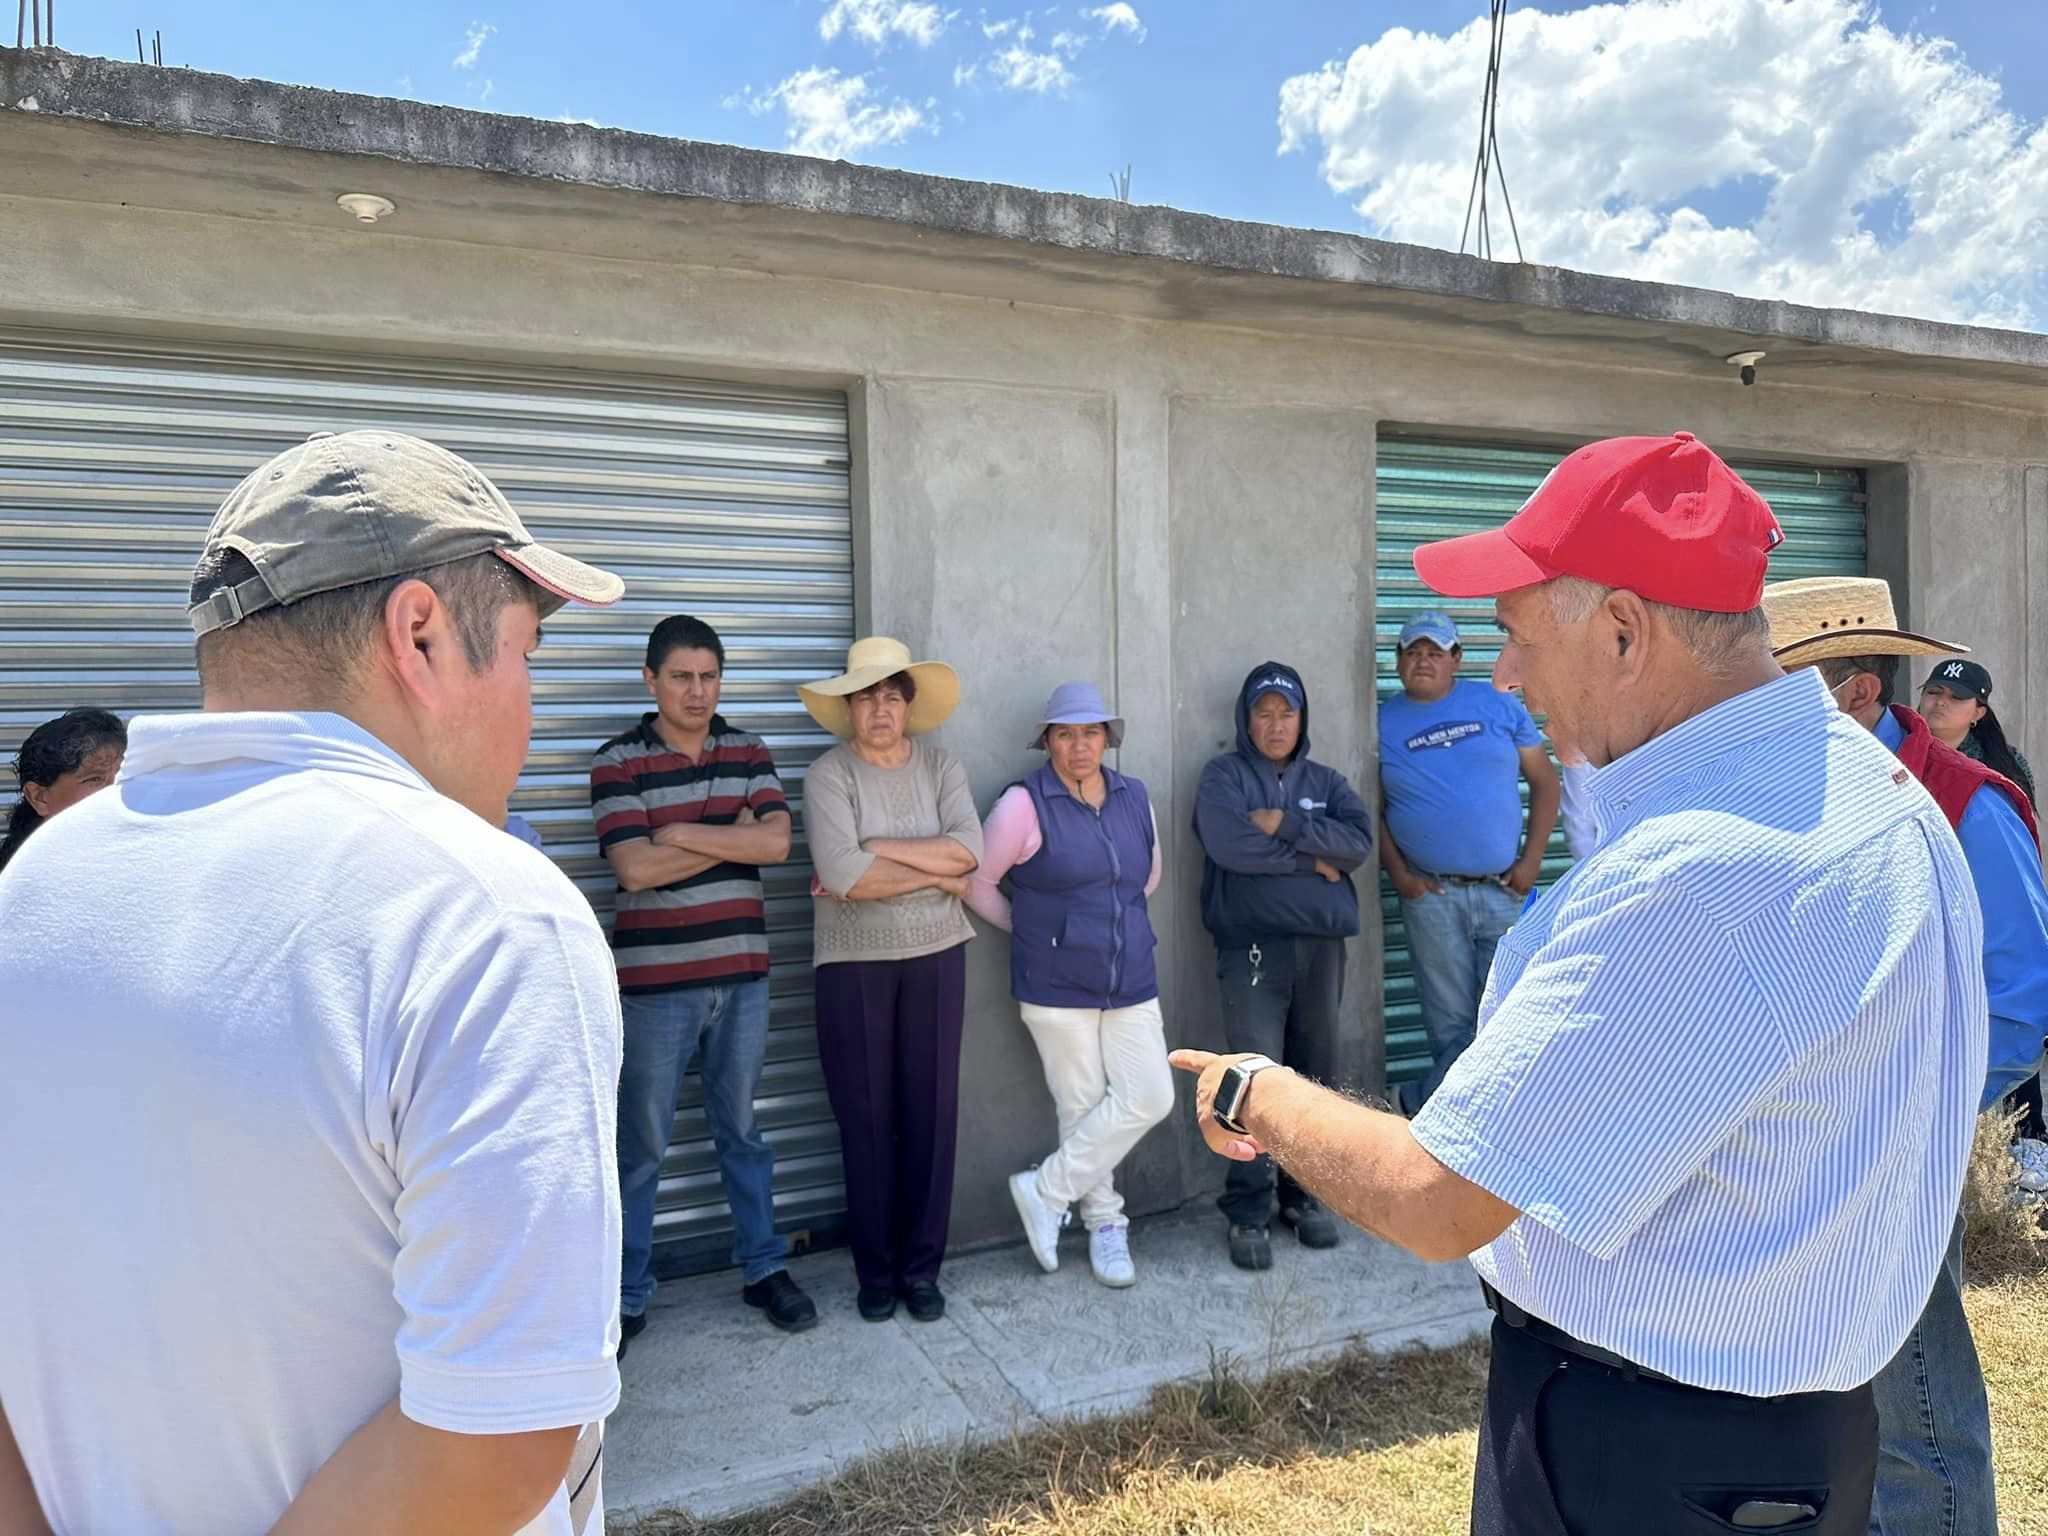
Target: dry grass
2003,1237
1351,1442
1363,1446
2006,1265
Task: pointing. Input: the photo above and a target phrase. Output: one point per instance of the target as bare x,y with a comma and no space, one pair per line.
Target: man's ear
38,798
417,638
1628,620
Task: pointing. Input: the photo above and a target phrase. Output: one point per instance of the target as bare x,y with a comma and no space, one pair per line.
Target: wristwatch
1234,1093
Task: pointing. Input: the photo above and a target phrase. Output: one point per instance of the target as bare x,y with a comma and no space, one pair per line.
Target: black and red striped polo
712,927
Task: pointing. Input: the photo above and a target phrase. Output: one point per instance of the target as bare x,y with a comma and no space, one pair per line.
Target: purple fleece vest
1080,936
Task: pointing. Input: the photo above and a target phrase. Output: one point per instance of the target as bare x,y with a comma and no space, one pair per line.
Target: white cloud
1020,67
473,44
1017,68
873,21
963,74
1118,17
489,86
1888,174
828,114
571,117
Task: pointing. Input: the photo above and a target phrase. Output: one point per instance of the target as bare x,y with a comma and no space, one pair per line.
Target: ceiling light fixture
366,206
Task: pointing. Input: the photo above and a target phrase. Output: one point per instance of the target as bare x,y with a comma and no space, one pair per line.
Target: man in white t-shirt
307,1071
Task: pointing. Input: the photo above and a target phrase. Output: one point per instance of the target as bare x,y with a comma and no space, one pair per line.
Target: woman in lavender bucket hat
1080,848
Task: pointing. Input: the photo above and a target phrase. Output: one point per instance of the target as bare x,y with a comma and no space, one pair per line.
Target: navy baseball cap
1964,679
1431,624
1276,682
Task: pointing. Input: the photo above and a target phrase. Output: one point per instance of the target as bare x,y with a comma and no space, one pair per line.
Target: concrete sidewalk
722,1412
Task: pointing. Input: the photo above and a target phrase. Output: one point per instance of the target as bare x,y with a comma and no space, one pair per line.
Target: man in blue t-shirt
1452,835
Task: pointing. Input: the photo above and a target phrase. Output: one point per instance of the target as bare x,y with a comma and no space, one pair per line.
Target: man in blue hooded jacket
1281,835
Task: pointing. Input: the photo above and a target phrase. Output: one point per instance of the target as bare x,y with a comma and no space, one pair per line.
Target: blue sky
1811,149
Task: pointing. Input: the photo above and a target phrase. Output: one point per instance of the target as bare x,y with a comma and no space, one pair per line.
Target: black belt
1557,1338
1460,879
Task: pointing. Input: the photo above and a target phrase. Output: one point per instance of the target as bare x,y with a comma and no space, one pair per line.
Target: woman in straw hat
893,836
1081,849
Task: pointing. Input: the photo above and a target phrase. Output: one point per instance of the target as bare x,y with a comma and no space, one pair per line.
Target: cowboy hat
876,660
1079,704
1820,618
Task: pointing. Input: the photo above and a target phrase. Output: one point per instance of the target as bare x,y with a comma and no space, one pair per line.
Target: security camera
1746,361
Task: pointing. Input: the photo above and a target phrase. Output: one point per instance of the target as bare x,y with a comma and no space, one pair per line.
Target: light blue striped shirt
1727,1068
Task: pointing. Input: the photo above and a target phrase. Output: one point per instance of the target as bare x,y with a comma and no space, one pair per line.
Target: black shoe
631,1326
1312,1224
1250,1247
877,1303
784,1301
924,1301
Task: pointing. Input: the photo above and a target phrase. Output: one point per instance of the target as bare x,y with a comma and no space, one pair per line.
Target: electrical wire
1486,166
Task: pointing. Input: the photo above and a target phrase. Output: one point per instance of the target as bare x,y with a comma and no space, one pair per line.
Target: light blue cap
1430,624
1079,704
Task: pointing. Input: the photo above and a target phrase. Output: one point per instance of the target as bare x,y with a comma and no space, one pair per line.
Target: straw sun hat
876,660
1821,618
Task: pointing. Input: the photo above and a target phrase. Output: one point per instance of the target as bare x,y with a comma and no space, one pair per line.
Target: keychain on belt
1256,958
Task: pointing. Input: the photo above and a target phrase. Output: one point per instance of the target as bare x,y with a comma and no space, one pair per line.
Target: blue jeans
1451,938
664,1031
1934,1423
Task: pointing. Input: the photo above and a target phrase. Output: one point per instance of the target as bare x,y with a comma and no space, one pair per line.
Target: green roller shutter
1430,489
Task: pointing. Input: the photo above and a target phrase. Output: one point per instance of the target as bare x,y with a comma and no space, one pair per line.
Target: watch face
1229,1094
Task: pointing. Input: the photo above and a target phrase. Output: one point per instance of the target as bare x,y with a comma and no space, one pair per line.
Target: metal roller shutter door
1428,489
728,502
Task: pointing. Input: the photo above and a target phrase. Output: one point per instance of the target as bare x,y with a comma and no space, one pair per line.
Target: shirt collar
1890,732
1621,793
315,739
650,732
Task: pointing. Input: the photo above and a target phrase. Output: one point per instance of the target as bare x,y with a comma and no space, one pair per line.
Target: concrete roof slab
104,131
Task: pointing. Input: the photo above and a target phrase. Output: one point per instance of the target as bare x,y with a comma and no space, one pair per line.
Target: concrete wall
1048,492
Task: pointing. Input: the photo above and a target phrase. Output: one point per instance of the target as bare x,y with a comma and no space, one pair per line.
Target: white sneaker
2032,1156
1041,1222
1109,1255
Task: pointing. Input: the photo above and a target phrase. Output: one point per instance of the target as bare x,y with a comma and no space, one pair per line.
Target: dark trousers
2027,1097
1286,1003
1568,1447
889,1038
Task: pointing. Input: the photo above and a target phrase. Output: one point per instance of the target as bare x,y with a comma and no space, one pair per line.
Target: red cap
1662,517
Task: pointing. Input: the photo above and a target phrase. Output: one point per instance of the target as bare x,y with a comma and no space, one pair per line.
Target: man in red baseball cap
1676,1150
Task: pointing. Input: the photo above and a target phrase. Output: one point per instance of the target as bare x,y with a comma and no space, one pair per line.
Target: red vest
1951,777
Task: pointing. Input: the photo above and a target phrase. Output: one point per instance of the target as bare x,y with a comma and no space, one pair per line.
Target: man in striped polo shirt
1706,1147
687,811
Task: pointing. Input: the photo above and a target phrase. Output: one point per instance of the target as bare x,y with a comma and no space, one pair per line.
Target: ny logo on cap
1953,669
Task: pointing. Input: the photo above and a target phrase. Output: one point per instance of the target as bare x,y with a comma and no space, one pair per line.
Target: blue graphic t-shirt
1450,778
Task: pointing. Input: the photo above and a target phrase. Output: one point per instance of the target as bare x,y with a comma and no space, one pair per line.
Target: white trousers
1110,1083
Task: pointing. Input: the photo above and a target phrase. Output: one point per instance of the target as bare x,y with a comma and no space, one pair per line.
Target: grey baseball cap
349,507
